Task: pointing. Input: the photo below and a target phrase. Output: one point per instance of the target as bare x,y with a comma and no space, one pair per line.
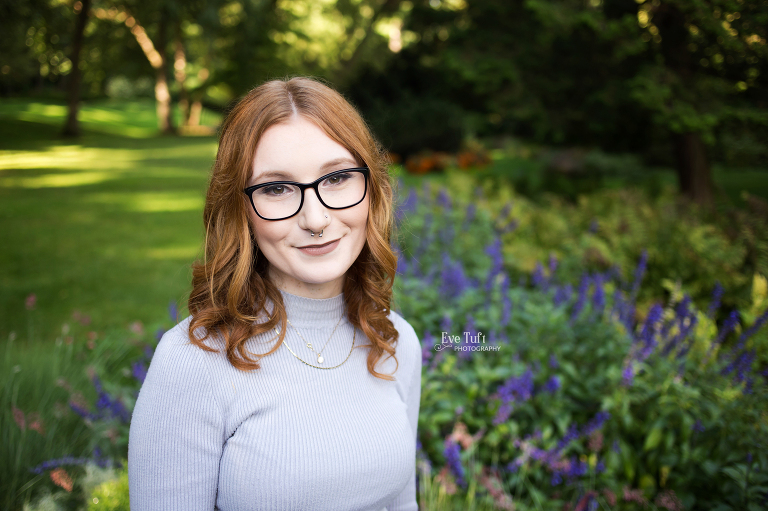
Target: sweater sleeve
176,433
406,501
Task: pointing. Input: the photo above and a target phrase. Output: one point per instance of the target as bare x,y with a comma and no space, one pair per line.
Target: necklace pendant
320,359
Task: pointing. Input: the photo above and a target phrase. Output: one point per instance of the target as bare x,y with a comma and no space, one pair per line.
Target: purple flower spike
452,454
427,346
454,279
497,263
539,280
139,371
506,301
639,273
628,375
562,294
552,264
757,325
728,325
443,199
579,305
717,296
173,312
598,296
596,423
553,384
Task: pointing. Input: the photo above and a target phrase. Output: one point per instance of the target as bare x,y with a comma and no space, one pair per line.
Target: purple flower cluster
173,312
106,406
717,296
97,458
58,462
539,280
452,453
497,263
139,370
562,294
506,302
581,300
443,199
553,384
553,460
515,389
454,280
642,265
598,295
427,346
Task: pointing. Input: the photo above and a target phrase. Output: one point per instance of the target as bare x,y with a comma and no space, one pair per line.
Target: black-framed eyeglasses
278,200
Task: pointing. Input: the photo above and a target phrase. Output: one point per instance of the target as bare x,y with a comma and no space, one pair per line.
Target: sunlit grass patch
151,202
108,224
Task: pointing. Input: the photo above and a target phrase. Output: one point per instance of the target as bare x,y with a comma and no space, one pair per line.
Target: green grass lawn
106,225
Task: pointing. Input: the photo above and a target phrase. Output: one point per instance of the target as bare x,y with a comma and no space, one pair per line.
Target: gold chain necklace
320,367
309,344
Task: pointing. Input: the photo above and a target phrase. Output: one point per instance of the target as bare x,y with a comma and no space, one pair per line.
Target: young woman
292,385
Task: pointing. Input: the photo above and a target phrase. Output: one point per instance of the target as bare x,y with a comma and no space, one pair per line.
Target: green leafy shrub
111,495
577,395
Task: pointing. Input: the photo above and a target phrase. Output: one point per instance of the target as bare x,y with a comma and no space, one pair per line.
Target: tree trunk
157,59
162,92
195,112
180,75
693,170
72,125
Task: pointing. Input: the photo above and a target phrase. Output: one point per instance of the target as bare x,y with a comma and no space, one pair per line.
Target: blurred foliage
620,75
610,228
685,398
625,76
111,495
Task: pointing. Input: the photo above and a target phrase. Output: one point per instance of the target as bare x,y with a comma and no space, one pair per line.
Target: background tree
599,73
71,125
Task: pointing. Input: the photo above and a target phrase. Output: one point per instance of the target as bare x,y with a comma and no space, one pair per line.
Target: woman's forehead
296,150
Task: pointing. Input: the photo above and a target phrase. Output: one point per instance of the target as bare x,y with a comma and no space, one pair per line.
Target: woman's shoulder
407,333
176,345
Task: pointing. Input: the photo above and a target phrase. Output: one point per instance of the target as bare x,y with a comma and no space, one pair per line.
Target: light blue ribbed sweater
287,436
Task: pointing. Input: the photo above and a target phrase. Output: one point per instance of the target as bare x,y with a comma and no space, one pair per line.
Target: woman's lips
323,249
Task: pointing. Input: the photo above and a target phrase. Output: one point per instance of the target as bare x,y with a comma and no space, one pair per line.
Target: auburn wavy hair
230,286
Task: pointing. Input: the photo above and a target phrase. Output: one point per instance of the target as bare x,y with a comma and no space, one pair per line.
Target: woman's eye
337,179
274,190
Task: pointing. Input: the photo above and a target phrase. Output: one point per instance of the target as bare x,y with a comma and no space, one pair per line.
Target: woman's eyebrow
338,161
275,174
284,176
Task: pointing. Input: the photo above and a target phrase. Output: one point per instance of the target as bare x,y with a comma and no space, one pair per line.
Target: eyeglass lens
283,200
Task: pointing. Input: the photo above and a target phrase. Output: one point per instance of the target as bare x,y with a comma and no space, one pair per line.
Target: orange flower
60,478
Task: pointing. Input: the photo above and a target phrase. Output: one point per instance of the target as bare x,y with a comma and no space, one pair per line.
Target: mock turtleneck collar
311,312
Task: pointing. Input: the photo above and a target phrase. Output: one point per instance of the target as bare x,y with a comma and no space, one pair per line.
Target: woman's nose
313,211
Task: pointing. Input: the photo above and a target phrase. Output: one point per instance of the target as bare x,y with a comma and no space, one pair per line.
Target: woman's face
300,151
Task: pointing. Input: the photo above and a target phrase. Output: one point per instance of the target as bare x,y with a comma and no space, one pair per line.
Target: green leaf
734,473
654,437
